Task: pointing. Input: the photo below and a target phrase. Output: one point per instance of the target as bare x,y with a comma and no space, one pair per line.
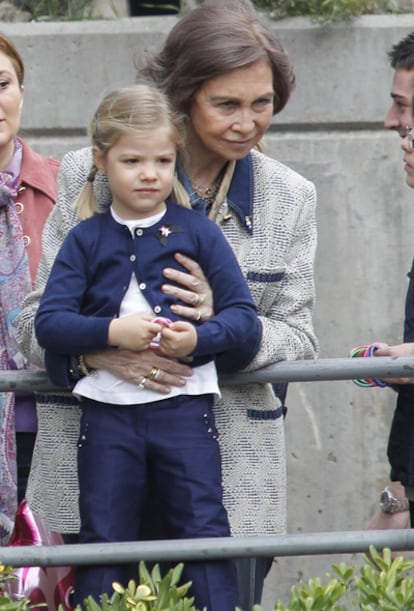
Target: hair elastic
366,351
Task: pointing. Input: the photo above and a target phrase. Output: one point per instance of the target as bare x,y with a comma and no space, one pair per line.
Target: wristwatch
390,504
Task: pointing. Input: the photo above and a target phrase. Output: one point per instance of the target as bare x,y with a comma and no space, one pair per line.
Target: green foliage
156,5
45,10
383,583
327,11
154,593
6,602
56,10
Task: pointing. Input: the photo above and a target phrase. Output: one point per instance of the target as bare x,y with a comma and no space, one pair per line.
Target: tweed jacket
274,242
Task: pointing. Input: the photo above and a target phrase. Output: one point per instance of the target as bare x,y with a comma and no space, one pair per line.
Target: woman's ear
99,158
21,101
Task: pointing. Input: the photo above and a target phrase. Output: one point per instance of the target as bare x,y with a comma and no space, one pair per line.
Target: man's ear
99,158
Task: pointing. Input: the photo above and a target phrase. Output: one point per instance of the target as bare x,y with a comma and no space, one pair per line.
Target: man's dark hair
402,53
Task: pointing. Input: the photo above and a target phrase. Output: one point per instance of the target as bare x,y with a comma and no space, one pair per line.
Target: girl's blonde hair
137,109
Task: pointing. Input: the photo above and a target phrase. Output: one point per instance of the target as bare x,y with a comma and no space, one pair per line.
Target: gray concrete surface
332,133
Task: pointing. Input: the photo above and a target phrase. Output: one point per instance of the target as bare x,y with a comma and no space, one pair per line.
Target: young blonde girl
104,291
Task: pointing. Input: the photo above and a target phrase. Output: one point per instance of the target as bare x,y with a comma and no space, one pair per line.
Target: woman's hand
406,349
194,290
156,372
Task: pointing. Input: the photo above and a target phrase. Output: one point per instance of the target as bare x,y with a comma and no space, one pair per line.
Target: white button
19,207
26,240
157,309
142,286
139,232
132,258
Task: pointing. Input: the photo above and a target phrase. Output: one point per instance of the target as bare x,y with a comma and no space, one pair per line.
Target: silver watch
390,503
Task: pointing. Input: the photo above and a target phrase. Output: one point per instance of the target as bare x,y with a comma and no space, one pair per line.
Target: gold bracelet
87,371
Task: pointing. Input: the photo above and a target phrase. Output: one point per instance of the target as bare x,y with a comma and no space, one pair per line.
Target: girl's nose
147,172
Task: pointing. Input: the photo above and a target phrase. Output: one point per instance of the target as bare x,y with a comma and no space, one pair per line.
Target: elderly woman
27,196
228,74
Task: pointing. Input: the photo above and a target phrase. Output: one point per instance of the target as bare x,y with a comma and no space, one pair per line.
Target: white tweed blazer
277,259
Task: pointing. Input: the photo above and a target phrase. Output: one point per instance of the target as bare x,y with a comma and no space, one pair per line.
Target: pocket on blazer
264,286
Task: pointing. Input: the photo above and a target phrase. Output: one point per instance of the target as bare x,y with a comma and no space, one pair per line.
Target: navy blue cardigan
91,275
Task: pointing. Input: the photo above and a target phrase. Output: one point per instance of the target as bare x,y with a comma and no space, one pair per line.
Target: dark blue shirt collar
239,196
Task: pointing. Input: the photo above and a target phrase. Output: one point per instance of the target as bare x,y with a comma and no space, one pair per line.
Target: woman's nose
244,122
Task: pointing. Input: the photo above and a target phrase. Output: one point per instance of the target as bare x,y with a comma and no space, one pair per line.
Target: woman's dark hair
215,38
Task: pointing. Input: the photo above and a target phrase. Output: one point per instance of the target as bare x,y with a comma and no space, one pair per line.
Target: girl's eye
166,160
4,84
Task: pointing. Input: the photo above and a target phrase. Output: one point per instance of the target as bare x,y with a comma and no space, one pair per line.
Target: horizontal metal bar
328,369
304,544
317,370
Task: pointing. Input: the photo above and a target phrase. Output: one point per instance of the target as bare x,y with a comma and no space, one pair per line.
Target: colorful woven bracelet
366,351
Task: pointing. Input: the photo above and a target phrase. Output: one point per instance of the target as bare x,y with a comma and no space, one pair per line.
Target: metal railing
305,544
317,370
234,547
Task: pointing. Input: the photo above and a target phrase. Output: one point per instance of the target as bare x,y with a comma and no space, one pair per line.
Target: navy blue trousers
171,446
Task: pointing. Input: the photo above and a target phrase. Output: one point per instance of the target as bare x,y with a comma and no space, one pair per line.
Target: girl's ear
99,158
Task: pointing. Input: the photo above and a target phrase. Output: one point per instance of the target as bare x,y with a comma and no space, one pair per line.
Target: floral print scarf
15,283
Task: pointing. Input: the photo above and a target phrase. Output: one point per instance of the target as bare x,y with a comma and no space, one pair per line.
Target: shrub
153,593
327,11
382,583
6,601
56,9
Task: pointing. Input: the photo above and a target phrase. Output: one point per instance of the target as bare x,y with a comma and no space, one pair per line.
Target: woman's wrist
84,367
78,368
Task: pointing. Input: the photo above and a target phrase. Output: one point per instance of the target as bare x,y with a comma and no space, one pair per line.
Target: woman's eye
227,105
4,84
263,102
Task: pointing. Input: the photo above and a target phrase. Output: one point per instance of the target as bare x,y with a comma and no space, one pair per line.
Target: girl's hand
161,373
178,340
133,332
194,290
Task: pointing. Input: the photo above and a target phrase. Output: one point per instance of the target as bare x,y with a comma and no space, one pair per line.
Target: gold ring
154,373
196,299
198,317
142,383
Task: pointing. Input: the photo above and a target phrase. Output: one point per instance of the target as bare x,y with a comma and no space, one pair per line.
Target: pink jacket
35,199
